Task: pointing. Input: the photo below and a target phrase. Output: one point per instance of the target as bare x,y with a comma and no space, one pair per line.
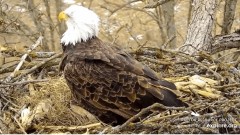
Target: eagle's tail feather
165,92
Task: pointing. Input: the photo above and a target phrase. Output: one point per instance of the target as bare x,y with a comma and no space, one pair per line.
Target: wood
37,66
23,59
225,42
229,13
94,125
156,3
168,13
200,29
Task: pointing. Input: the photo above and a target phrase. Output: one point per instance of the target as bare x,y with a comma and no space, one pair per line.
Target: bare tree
168,13
160,22
189,12
59,6
229,13
36,17
51,26
200,29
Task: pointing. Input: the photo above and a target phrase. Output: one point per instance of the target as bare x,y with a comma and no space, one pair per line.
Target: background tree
199,35
168,13
229,14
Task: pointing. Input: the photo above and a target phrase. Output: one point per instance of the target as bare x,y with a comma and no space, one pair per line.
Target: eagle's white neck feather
82,24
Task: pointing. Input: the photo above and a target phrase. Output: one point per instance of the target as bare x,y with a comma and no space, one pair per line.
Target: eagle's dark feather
112,85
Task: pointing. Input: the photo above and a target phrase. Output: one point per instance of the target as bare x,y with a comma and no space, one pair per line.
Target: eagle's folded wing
116,82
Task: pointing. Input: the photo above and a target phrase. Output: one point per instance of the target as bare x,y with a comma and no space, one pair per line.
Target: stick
165,117
22,82
217,75
143,111
8,79
37,66
226,86
156,4
69,127
19,124
159,62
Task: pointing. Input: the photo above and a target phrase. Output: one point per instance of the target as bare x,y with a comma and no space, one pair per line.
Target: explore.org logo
223,126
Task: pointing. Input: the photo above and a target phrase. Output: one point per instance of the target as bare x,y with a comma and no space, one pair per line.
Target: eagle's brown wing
110,82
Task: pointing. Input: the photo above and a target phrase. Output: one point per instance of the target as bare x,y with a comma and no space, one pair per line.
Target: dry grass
50,104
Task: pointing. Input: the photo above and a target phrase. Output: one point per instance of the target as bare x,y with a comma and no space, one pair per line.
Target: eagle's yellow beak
62,16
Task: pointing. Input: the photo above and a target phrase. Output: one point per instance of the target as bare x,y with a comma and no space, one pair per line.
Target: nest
47,107
47,104
210,87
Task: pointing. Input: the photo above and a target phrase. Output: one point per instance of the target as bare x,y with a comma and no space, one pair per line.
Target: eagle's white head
82,24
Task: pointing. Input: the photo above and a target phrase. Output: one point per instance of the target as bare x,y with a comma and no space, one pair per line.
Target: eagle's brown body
112,85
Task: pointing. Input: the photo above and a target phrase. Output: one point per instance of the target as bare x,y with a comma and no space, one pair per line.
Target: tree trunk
189,12
168,12
51,25
160,24
36,17
229,13
200,29
59,5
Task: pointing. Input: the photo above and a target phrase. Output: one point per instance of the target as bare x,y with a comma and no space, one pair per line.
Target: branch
8,79
143,111
19,124
225,42
217,75
167,116
227,86
21,83
68,127
156,4
118,5
37,66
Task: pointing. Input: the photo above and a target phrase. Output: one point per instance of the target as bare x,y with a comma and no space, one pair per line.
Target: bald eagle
105,80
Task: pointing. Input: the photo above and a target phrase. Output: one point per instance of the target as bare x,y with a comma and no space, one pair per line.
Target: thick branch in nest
37,66
23,59
70,128
225,42
143,111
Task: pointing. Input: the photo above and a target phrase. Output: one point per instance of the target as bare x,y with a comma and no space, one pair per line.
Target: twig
19,124
227,86
8,79
194,92
159,62
37,66
165,117
119,6
68,127
155,4
42,54
22,83
217,75
4,98
143,111
8,68
168,41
